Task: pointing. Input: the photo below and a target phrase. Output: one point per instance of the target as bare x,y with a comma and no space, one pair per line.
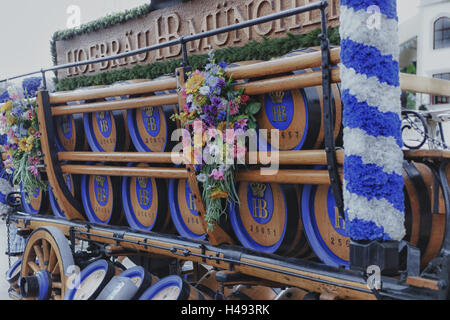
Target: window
441,99
442,33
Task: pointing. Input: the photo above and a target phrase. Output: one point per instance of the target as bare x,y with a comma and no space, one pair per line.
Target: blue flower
4,97
31,85
223,64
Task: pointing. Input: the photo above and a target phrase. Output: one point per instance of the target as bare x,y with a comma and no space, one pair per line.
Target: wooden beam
147,172
284,65
114,91
413,83
152,101
300,157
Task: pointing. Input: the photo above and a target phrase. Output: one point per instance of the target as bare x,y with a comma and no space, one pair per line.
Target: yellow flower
26,144
7,106
30,139
10,121
23,144
218,194
194,83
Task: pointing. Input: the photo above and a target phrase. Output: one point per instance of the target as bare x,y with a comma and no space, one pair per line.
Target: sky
26,27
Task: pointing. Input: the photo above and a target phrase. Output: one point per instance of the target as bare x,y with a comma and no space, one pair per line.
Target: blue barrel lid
238,226
175,211
315,239
98,265
170,281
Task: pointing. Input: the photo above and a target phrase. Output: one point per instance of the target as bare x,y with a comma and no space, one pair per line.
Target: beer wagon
287,240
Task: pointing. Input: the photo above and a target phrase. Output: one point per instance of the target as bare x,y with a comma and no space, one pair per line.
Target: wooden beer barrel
151,127
425,216
173,288
291,294
141,278
70,134
244,292
91,281
101,198
107,131
269,219
183,211
13,275
210,286
324,227
35,203
298,114
145,203
73,182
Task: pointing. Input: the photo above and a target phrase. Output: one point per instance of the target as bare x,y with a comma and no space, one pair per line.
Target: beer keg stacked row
291,220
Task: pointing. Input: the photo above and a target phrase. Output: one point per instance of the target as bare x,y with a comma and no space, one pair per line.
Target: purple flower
216,101
212,109
221,82
209,120
241,124
223,64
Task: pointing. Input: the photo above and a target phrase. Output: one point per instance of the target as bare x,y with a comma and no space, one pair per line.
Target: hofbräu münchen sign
185,19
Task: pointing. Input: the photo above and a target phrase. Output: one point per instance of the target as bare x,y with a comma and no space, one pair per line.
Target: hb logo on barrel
100,192
144,196
278,110
150,118
259,204
104,126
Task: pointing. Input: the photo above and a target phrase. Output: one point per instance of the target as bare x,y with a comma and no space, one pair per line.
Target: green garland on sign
264,50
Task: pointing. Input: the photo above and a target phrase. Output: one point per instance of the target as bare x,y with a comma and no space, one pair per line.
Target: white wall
430,61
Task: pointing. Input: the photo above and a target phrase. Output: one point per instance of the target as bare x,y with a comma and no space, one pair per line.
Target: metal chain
8,235
425,135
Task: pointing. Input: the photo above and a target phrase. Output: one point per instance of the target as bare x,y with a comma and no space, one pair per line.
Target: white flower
204,91
214,150
189,98
202,177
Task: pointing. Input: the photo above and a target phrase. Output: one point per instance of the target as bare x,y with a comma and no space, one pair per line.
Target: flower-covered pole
373,183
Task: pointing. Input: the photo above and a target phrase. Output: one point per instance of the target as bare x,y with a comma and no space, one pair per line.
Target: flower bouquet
215,120
21,142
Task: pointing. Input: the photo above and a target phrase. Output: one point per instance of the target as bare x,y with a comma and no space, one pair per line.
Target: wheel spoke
40,256
52,260
55,269
34,266
56,285
46,249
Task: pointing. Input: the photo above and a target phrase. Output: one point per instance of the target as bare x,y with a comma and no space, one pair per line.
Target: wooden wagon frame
240,265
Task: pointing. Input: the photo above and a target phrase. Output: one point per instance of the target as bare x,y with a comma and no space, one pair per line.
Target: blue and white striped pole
373,183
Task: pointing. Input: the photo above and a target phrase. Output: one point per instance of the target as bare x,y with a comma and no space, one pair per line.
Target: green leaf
253,108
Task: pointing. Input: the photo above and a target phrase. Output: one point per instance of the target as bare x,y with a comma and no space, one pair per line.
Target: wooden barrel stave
151,128
425,217
145,203
101,198
244,292
298,115
173,288
73,183
35,203
185,216
269,220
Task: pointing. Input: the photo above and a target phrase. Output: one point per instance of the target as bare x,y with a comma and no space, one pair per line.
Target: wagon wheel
45,265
